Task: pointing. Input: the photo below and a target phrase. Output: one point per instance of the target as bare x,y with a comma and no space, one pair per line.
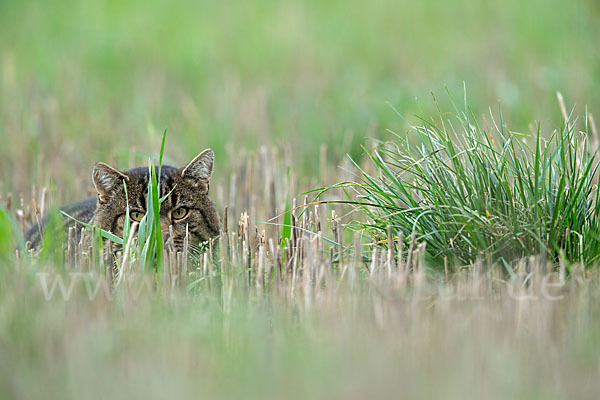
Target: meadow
407,209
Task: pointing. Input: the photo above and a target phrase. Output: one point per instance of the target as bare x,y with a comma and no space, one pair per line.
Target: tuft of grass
470,189
151,234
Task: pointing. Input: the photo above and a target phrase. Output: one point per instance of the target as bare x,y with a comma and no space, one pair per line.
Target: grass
294,305
305,74
260,318
470,189
248,325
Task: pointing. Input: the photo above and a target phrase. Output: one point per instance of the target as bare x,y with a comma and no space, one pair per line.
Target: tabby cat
187,206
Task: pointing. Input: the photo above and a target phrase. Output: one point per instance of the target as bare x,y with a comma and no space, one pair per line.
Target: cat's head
187,206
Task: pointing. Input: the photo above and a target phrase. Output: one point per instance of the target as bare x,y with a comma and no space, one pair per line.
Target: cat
186,207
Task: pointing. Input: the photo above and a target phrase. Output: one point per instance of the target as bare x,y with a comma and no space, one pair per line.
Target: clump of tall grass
469,188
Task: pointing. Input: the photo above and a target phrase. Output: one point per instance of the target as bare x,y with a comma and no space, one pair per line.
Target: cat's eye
136,215
179,213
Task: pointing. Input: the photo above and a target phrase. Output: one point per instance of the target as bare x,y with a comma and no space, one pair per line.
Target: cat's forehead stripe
144,197
175,198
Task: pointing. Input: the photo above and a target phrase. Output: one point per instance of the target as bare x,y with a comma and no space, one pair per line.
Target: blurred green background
87,81
83,81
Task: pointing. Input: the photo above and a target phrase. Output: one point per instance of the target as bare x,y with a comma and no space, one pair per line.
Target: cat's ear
200,168
106,179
